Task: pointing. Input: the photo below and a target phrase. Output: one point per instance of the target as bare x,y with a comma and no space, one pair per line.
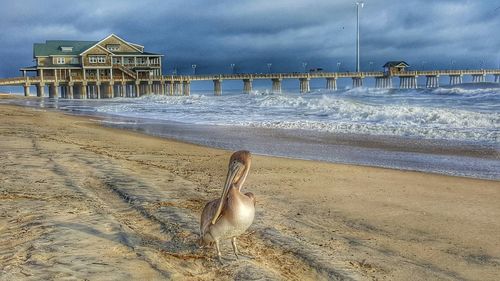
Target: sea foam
445,113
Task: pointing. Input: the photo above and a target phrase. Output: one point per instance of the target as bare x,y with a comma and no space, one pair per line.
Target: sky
250,34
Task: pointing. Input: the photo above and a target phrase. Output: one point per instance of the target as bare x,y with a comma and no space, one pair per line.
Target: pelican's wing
208,214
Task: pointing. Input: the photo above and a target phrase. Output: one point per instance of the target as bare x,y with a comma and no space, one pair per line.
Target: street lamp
423,64
193,66
304,66
338,66
175,71
232,68
269,67
452,64
371,66
358,5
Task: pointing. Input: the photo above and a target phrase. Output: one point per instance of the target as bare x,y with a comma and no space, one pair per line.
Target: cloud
214,34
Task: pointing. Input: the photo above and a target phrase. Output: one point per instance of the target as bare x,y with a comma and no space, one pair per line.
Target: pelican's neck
239,183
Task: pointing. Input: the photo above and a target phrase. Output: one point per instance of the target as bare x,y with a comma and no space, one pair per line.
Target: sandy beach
80,201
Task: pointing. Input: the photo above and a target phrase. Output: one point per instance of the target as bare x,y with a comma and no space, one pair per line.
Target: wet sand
82,201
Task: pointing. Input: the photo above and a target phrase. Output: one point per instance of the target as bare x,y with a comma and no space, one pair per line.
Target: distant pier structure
114,67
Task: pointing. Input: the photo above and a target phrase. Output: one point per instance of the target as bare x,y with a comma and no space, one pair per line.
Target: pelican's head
239,165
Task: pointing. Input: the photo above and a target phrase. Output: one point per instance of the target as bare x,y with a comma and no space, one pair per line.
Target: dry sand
83,202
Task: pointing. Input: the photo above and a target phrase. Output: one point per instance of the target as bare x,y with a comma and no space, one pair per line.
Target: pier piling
162,87
304,85
432,81
408,82
123,91
26,90
186,88
109,88
53,91
71,91
40,90
149,88
180,88
455,79
478,78
217,87
357,82
170,88
331,84
276,89
384,82
137,88
83,91
99,92
247,86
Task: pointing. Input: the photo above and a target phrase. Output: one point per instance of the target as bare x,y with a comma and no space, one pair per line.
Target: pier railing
180,84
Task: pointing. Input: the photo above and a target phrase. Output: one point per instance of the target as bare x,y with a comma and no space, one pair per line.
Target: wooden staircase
125,70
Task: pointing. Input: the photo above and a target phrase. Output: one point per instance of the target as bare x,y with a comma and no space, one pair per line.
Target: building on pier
111,58
395,67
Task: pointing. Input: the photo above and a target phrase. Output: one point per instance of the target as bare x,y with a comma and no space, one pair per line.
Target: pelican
231,214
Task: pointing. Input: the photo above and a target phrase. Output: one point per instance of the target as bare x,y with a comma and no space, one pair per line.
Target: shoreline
446,157
92,202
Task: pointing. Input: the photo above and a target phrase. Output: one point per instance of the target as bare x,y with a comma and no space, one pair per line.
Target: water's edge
431,156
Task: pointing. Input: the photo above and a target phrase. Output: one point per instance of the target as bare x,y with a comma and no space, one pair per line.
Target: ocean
447,130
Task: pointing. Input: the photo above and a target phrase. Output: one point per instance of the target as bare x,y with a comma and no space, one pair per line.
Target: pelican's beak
233,170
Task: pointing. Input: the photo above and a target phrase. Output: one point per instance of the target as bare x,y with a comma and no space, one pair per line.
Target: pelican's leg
219,255
235,248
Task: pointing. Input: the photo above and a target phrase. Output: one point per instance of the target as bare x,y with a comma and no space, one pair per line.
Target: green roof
395,63
53,47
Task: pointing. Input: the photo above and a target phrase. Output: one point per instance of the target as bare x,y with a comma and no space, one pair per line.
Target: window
59,60
66,49
97,59
75,61
117,60
113,47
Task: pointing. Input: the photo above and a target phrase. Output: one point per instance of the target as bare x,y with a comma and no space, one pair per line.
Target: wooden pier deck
124,86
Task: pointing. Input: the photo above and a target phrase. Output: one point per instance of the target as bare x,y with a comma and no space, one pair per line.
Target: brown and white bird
231,214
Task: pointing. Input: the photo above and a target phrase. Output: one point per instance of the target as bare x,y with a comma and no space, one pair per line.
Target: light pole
371,66
338,66
304,66
232,68
423,64
269,67
358,4
452,64
193,66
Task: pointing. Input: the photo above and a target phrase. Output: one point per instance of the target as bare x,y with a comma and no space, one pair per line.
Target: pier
101,87
114,67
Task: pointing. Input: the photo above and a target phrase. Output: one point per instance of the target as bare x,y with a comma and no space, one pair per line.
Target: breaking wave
464,114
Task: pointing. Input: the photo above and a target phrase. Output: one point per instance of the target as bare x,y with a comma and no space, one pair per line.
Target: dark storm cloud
250,34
